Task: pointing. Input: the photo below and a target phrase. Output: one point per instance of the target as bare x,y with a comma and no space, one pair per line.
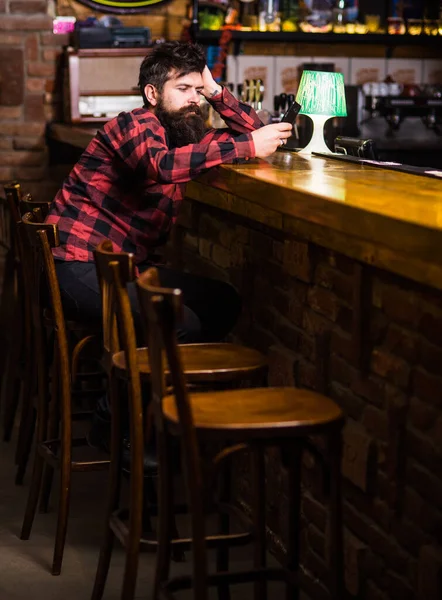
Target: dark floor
24,565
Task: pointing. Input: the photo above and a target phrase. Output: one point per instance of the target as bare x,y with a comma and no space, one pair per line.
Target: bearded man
129,183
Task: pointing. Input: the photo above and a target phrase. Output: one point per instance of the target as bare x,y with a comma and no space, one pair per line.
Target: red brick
281,367
422,416
376,422
31,47
6,173
51,54
402,343
11,75
205,248
375,538
342,344
427,484
2,6
369,388
25,23
340,262
378,325
431,327
390,367
49,86
34,109
324,302
31,173
297,260
351,405
354,558
431,357
10,112
30,7
428,387
5,144
53,39
37,69
422,449
284,331
29,143
402,306
358,455
341,371
278,251
312,323
336,281
31,159
33,85
12,39
221,256
261,244
24,129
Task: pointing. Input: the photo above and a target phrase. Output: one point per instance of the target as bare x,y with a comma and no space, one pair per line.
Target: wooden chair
204,364
256,418
58,452
19,380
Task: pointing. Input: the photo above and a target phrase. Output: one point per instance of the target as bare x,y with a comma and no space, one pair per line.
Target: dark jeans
211,307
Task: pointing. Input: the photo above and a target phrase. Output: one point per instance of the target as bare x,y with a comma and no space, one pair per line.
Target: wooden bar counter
340,270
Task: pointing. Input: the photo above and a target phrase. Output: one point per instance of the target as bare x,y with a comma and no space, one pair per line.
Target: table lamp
321,96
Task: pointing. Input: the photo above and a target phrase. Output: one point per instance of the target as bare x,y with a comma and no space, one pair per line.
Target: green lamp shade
322,93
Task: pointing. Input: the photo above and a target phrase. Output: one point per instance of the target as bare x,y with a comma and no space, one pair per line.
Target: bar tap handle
252,93
290,99
194,25
245,91
283,103
259,93
276,104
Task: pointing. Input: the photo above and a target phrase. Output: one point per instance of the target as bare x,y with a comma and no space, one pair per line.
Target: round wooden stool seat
261,412
205,362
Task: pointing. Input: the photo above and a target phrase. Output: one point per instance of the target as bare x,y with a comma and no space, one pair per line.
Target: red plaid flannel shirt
128,185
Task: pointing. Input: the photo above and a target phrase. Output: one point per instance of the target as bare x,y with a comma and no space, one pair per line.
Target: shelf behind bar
207,36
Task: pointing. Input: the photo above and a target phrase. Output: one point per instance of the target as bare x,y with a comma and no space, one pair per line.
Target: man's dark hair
181,57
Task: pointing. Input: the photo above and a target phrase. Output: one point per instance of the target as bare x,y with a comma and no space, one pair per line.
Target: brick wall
293,291
30,84
28,68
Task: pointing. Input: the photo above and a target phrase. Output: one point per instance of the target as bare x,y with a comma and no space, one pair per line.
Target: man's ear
151,93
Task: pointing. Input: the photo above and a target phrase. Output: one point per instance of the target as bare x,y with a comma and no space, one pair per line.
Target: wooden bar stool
51,450
256,418
204,364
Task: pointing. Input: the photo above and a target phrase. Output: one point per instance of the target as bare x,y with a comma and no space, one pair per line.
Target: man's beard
184,126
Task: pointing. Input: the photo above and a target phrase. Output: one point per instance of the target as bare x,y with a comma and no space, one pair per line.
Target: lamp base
317,143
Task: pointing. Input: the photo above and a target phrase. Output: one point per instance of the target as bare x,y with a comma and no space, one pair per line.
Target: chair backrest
356,147
28,204
13,196
41,238
105,261
161,309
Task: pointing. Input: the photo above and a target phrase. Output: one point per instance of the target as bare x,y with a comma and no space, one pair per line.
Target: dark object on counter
356,147
111,37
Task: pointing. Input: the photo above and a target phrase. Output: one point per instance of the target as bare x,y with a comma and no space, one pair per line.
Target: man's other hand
269,138
211,88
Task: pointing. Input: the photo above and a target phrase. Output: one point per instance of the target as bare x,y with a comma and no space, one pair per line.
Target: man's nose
194,97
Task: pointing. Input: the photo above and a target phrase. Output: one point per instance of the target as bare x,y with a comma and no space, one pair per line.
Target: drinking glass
395,25
372,22
414,26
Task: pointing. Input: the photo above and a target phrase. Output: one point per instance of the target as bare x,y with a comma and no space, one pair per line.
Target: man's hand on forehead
211,88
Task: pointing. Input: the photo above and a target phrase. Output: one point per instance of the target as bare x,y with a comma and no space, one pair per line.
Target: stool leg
28,435
13,384
259,519
65,482
53,429
293,463
165,515
27,404
37,474
113,493
222,554
336,534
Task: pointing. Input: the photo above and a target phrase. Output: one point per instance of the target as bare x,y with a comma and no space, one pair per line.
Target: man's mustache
193,109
